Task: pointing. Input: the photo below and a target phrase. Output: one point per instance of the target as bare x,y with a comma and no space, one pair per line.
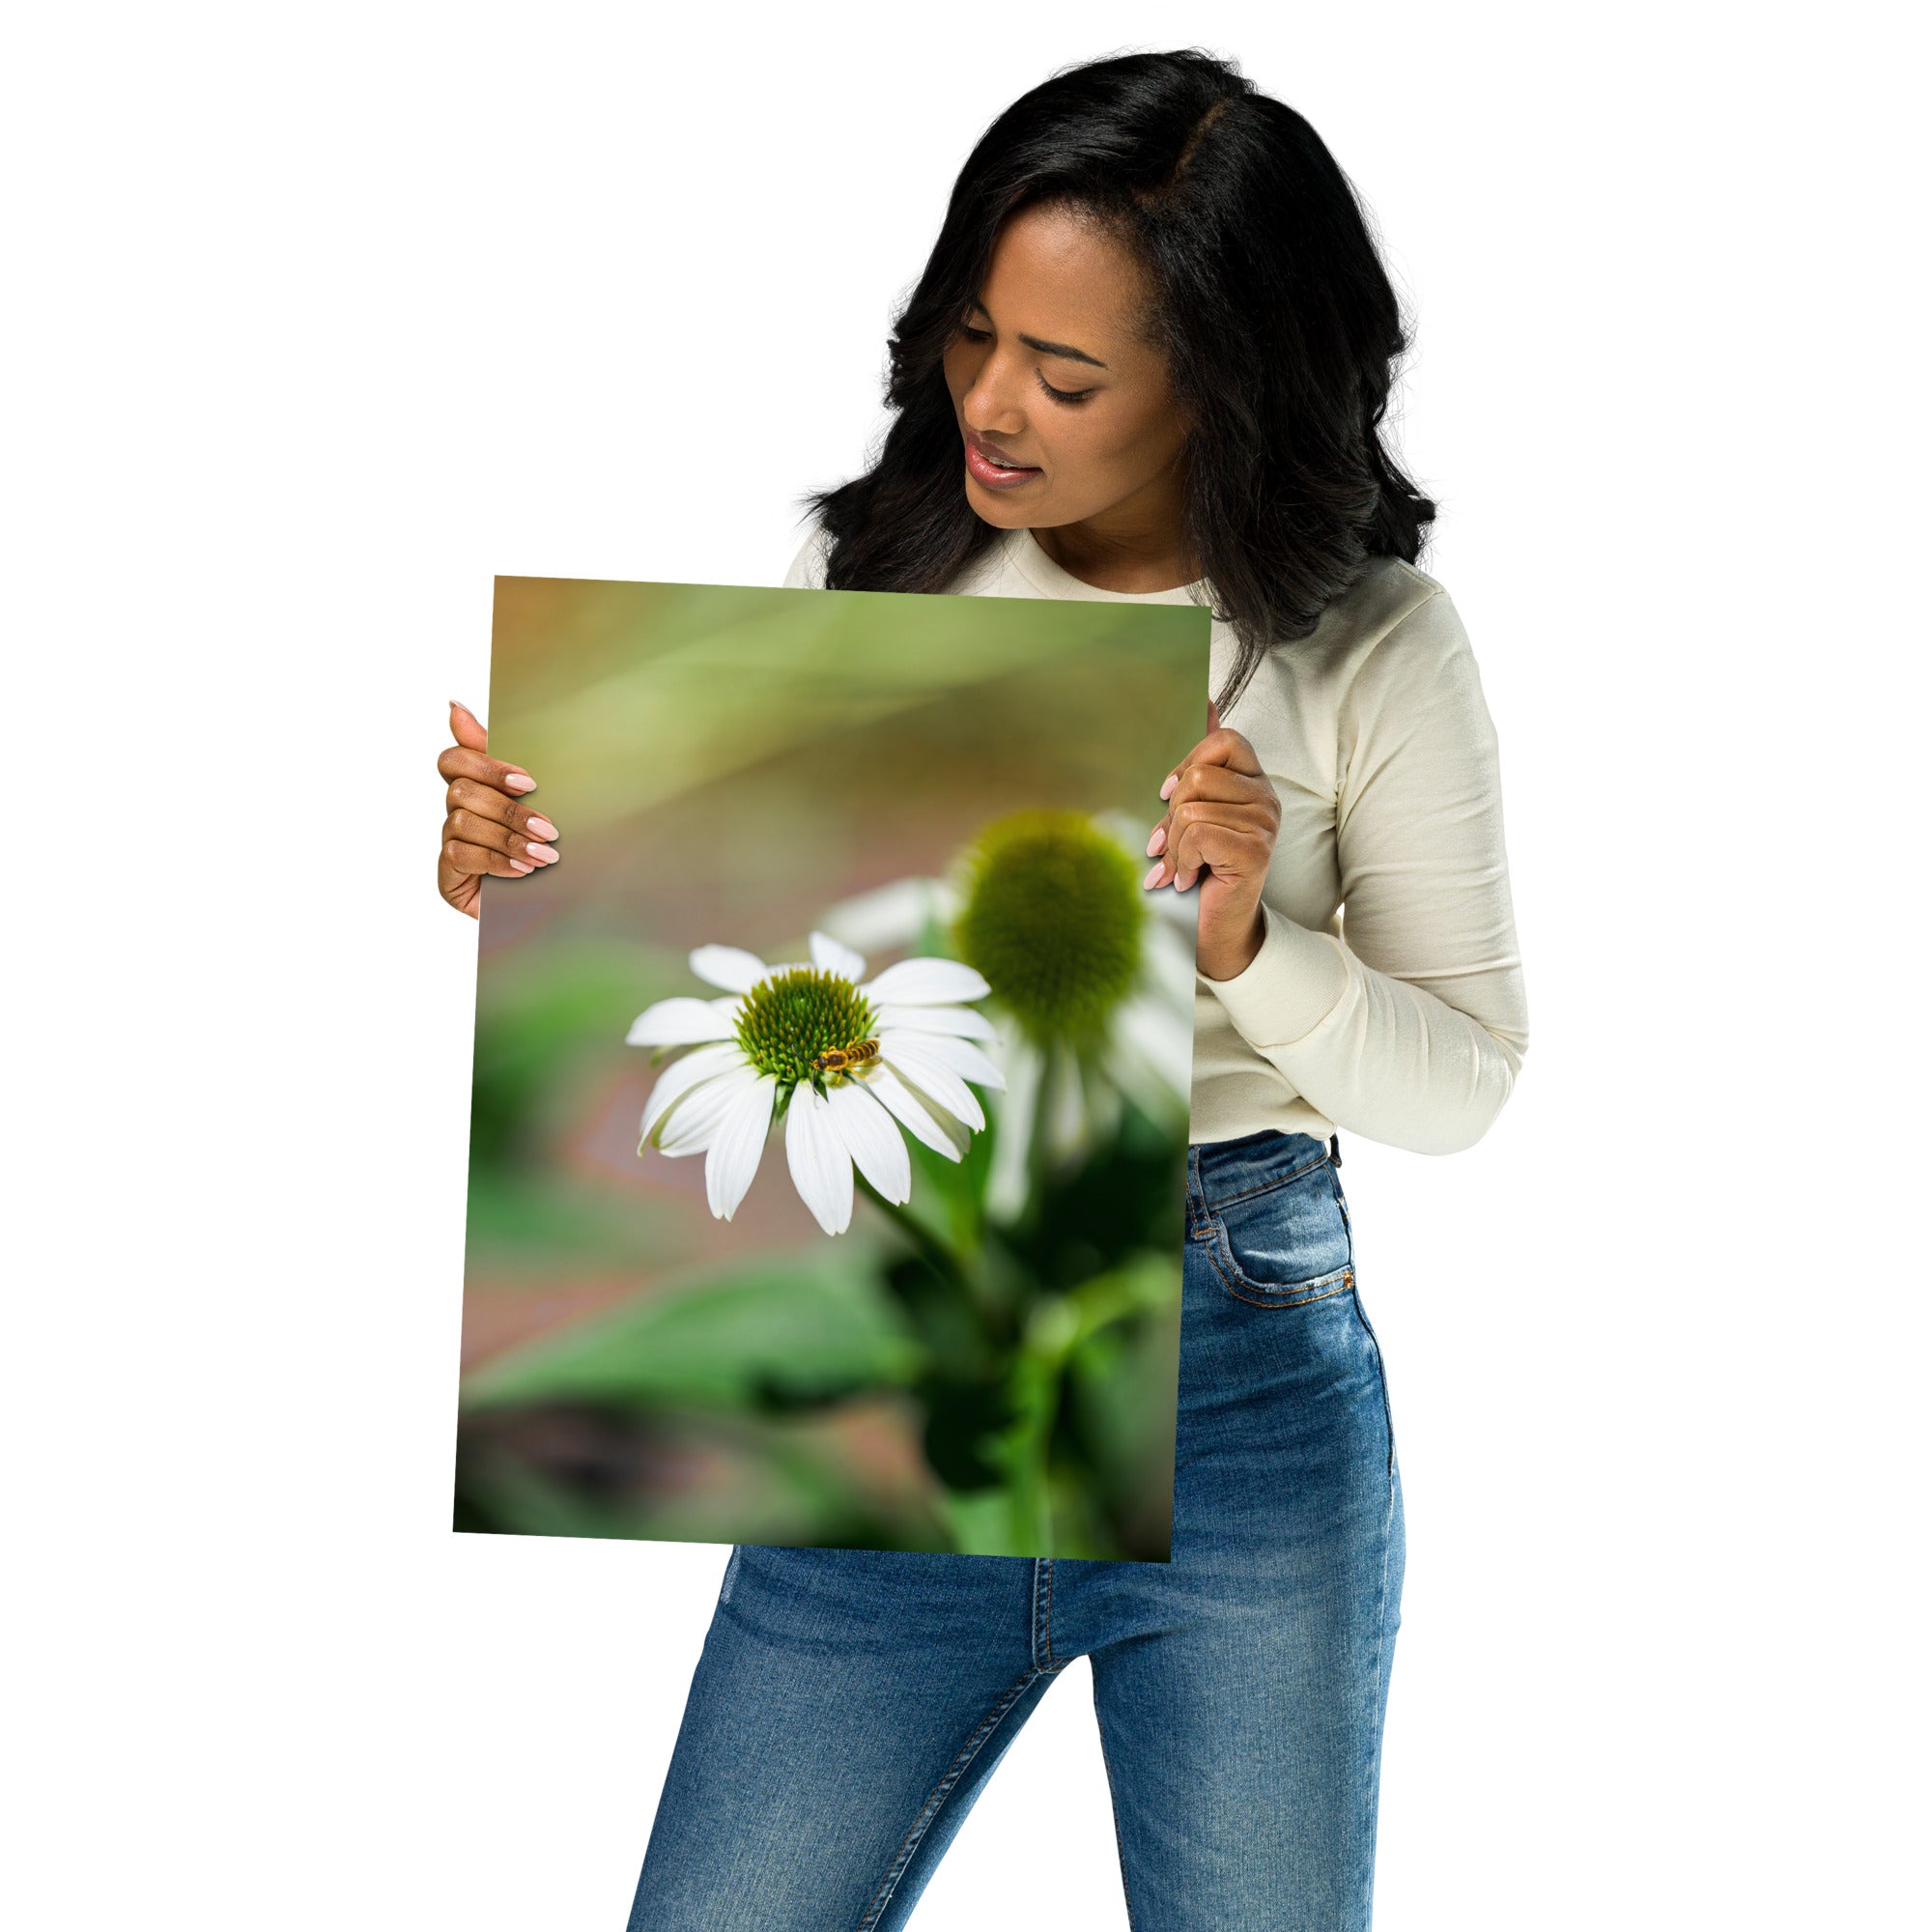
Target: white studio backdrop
319,318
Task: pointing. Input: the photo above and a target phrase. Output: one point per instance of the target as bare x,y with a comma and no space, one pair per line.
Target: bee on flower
850,1063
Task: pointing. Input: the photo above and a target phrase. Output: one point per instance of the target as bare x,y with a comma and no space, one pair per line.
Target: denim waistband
1220,1171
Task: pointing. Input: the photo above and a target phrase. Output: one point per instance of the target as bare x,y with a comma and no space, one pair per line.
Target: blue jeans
850,1704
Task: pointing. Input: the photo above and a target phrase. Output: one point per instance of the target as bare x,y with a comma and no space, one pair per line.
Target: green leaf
792,1327
983,1523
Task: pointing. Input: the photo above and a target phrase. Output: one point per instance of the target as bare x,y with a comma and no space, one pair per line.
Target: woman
1148,359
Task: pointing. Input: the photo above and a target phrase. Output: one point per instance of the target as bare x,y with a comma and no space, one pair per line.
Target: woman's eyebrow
1062,349
1065,348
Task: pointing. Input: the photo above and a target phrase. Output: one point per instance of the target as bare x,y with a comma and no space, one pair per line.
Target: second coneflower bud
1053,918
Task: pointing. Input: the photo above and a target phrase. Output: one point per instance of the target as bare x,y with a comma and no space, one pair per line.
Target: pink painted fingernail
541,828
1158,842
1154,876
1167,790
548,854
518,866
519,781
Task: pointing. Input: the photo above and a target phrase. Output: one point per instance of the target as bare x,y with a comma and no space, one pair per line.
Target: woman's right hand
488,829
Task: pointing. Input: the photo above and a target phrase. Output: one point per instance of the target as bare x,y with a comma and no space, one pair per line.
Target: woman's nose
991,404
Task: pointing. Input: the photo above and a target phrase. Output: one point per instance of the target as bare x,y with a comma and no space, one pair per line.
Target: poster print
830,1105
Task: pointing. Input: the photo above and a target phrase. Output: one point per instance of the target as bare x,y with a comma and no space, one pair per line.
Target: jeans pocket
1284,1244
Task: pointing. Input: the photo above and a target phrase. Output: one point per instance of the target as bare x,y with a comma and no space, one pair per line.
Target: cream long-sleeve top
1387,997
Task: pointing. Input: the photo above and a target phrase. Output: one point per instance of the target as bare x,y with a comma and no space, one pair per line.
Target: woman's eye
974,334
1063,395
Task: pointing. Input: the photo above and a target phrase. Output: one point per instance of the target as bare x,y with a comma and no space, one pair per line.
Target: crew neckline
1027,556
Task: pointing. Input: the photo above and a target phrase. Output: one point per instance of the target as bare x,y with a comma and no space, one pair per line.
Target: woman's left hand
1222,817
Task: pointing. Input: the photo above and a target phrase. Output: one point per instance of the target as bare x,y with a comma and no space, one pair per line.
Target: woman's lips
985,465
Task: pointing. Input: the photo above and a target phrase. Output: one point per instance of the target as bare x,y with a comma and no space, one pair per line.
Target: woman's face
1064,406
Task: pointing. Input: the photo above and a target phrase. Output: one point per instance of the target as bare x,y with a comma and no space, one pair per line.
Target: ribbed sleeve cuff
1288,989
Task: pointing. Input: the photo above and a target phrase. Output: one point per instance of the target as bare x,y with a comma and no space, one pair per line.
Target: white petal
1137,1081
738,1146
682,1075
909,1111
821,1168
693,1124
829,957
681,1022
960,1055
909,1056
960,1021
1013,1133
873,1139
891,916
926,982
1167,963
1063,1125
728,966
1002,1048
1155,1033
1180,910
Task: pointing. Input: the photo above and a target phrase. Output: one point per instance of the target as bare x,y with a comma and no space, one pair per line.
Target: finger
1223,792
472,828
487,802
458,856
1258,810
467,729
1217,781
1254,845
461,762
1218,748
1235,851
1214,718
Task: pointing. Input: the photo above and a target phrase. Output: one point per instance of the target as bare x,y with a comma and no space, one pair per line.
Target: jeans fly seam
968,1751
1043,1619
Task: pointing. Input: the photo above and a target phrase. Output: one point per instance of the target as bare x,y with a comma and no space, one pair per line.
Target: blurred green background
724,765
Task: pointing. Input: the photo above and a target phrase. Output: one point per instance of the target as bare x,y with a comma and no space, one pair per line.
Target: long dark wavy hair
1278,322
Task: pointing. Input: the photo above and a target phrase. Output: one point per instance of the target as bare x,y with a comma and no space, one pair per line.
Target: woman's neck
1110,563
1136,547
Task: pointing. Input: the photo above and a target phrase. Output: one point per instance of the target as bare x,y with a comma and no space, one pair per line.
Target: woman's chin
998,507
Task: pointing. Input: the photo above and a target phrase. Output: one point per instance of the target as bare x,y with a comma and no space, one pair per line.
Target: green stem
938,1256
1034,1384
1028,1446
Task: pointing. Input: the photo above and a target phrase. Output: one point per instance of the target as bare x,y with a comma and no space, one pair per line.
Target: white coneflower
847,1061
1097,974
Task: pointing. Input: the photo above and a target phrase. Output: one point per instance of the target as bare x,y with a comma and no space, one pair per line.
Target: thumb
467,729
1213,716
